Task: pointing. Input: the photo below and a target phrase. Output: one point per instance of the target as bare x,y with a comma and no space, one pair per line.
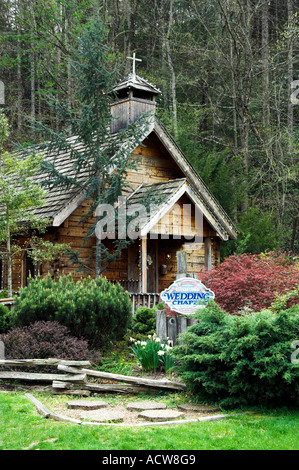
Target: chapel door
152,266
133,267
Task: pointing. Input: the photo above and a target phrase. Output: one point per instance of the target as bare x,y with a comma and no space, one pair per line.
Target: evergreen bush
241,360
144,322
4,294
6,319
96,310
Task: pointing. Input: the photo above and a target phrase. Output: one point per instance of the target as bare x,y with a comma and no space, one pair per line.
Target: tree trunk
265,65
172,71
9,266
290,76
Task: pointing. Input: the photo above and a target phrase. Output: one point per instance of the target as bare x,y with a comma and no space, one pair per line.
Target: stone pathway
99,411
120,415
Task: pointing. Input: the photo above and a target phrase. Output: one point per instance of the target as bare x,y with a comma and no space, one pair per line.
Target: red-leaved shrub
252,281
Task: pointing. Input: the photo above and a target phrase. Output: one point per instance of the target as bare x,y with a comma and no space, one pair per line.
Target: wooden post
181,257
161,326
143,265
208,253
172,330
2,351
182,325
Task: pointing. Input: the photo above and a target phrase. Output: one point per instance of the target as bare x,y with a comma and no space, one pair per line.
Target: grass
23,428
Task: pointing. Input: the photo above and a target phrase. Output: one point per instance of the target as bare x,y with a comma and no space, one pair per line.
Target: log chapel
187,219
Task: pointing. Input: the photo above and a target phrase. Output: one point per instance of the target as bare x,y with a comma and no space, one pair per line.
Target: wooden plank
42,362
100,388
167,384
47,413
208,253
36,377
144,264
39,406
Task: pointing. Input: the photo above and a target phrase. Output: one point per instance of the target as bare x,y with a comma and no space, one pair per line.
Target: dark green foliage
6,319
4,294
96,310
144,322
241,360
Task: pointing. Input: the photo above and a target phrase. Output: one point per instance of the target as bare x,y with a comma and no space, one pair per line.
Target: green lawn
23,428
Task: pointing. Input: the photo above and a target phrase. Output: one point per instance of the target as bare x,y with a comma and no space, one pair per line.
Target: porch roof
159,198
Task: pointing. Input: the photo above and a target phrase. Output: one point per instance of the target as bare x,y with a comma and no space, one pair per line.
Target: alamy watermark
133,221
2,351
295,354
293,97
2,92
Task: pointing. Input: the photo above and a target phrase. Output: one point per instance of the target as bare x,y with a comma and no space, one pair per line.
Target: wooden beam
32,376
42,362
143,265
167,384
208,253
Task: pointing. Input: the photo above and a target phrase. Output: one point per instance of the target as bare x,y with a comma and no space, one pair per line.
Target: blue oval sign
187,295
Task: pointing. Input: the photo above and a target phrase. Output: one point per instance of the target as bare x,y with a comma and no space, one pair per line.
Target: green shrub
6,319
241,360
96,310
4,294
144,322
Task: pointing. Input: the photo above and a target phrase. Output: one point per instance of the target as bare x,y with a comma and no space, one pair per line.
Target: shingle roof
134,81
155,198
60,202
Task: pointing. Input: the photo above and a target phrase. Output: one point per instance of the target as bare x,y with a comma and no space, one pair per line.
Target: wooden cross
134,61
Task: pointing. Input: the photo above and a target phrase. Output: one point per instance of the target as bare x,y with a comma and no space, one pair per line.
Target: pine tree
100,151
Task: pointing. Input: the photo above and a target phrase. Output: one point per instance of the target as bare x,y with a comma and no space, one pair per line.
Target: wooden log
38,405
167,384
100,388
77,393
47,413
32,376
42,362
58,417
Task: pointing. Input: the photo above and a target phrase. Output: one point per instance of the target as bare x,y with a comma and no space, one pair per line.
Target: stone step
160,415
103,416
146,405
198,408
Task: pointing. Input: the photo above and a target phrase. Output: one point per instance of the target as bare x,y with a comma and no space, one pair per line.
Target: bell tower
134,96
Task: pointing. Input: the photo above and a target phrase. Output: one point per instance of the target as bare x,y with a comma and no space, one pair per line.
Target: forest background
229,76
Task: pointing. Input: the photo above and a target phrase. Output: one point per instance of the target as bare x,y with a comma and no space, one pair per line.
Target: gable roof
60,203
163,196
136,82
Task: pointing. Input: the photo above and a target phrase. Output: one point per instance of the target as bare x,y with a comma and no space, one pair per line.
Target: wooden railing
143,300
8,302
